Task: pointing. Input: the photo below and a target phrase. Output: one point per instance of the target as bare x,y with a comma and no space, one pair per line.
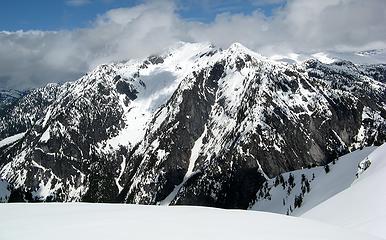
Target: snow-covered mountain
196,125
21,112
7,97
369,57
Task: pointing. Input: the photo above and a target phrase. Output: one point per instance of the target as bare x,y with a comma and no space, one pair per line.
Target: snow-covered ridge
375,56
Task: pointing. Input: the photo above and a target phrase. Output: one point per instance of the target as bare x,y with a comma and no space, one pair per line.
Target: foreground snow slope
362,206
103,221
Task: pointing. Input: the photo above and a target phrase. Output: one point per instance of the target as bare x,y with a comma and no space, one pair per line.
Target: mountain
197,125
369,57
20,110
7,97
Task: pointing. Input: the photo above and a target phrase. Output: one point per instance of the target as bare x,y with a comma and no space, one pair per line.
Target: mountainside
20,110
7,97
197,125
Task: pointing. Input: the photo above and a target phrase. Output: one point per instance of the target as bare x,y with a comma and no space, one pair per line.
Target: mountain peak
237,45
238,48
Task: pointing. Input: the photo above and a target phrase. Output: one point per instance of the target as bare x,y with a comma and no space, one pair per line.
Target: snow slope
156,83
362,206
350,195
11,139
322,185
104,221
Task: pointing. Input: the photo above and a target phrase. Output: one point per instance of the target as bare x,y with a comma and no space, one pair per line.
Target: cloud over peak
31,59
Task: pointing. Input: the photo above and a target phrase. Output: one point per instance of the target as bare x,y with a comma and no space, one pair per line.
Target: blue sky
71,14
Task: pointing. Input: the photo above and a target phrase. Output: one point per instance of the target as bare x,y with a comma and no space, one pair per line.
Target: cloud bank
34,58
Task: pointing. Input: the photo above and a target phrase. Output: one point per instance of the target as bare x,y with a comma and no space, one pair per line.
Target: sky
46,41
53,15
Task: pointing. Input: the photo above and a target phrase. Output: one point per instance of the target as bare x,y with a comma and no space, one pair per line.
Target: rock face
19,110
197,125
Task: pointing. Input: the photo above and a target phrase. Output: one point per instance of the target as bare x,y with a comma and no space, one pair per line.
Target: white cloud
31,59
304,25
77,3
266,2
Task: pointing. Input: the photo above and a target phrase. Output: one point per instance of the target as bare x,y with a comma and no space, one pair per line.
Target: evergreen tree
261,194
283,183
327,168
291,180
308,187
281,179
289,190
298,201
277,181
303,178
